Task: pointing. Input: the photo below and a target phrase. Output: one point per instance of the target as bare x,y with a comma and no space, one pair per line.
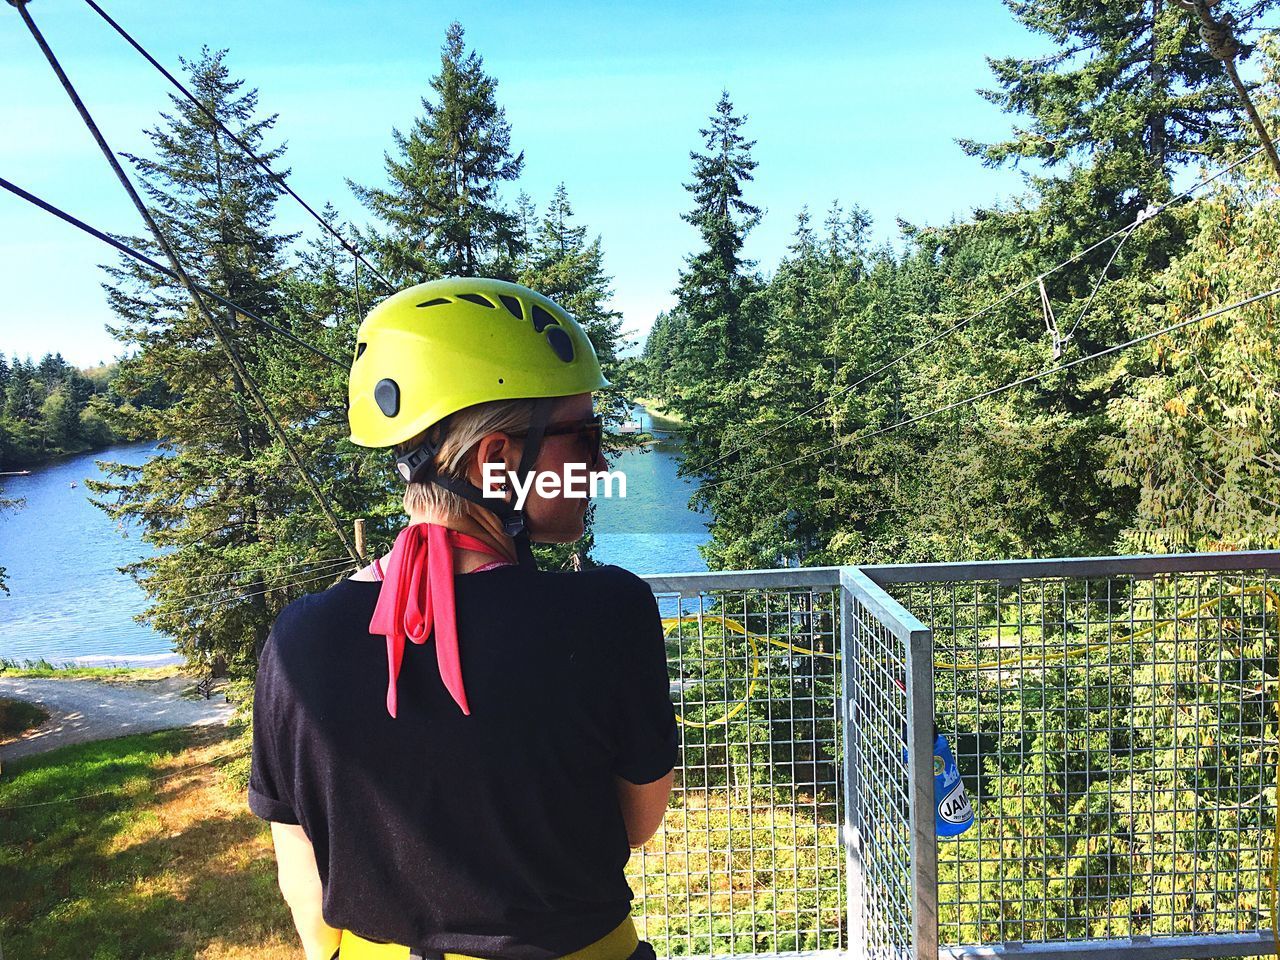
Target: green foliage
230,516
19,716
44,409
844,418
1121,755
1195,431
442,210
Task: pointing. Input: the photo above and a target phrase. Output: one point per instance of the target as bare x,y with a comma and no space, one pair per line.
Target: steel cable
276,178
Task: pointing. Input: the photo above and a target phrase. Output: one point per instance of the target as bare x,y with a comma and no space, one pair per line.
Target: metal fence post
924,833
852,833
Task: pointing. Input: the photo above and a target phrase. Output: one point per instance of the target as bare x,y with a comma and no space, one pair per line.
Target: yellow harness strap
617,945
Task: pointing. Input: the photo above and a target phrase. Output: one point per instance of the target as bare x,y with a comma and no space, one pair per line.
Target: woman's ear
495,448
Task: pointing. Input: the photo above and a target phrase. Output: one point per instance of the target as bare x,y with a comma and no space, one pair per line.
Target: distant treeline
53,408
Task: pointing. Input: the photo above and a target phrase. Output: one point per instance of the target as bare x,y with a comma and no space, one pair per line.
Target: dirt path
83,710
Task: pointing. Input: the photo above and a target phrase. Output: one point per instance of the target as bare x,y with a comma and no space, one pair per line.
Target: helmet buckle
412,463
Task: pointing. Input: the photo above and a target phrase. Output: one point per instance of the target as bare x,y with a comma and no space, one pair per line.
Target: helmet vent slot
476,299
560,343
435,303
512,305
542,319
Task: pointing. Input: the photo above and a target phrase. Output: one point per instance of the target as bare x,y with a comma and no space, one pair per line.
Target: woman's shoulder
323,613
610,579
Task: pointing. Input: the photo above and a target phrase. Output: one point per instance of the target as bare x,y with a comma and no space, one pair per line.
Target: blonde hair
461,431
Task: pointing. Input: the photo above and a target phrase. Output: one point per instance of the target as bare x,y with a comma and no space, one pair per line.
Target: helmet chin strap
418,466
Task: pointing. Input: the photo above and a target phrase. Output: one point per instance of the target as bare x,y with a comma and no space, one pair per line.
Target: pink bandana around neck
417,595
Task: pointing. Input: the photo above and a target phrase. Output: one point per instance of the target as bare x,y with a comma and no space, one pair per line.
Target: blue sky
856,102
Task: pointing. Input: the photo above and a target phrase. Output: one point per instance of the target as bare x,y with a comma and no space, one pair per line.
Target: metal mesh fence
750,859
878,831
1118,736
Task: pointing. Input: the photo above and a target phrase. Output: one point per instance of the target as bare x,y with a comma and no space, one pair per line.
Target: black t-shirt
496,834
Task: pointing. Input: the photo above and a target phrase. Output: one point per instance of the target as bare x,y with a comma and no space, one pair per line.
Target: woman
481,799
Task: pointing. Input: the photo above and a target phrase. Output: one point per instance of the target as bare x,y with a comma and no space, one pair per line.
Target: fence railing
1114,721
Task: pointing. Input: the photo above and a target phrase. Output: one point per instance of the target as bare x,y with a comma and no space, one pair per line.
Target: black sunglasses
589,431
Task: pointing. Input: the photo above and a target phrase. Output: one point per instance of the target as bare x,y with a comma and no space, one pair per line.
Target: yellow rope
670,624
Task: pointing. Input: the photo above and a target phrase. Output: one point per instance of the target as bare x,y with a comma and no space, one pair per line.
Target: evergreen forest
848,404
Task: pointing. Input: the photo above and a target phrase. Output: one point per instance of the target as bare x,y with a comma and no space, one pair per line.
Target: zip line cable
1219,40
224,601
275,177
1022,381
47,207
1102,276
247,381
1150,213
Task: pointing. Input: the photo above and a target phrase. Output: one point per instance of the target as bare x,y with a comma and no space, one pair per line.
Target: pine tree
1194,432
715,328
1129,96
716,279
564,266
442,209
217,501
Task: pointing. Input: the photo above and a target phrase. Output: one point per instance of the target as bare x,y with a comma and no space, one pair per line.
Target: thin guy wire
223,601
262,582
247,381
991,306
143,258
276,178
270,566
1098,285
1007,386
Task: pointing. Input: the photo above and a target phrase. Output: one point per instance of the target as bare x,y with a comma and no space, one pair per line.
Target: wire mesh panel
1118,735
750,858
878,831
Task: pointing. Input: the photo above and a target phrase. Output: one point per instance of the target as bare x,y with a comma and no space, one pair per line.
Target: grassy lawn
663,419
157,856
17,717
174,868
43,668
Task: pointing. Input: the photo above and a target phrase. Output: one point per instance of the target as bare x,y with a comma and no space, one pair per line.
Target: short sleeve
270,793
648,745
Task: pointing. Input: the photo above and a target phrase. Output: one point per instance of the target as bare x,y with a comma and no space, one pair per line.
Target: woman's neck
464,560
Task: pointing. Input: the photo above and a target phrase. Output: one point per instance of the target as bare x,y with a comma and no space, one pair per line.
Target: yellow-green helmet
435,348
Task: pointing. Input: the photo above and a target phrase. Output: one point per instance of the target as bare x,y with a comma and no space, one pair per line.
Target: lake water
69,603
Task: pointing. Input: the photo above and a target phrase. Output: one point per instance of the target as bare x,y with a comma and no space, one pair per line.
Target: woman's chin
570,531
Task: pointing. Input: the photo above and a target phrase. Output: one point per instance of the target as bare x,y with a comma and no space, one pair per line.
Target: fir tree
718,321
442,209
1128,97
716,279
217,501
564,266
